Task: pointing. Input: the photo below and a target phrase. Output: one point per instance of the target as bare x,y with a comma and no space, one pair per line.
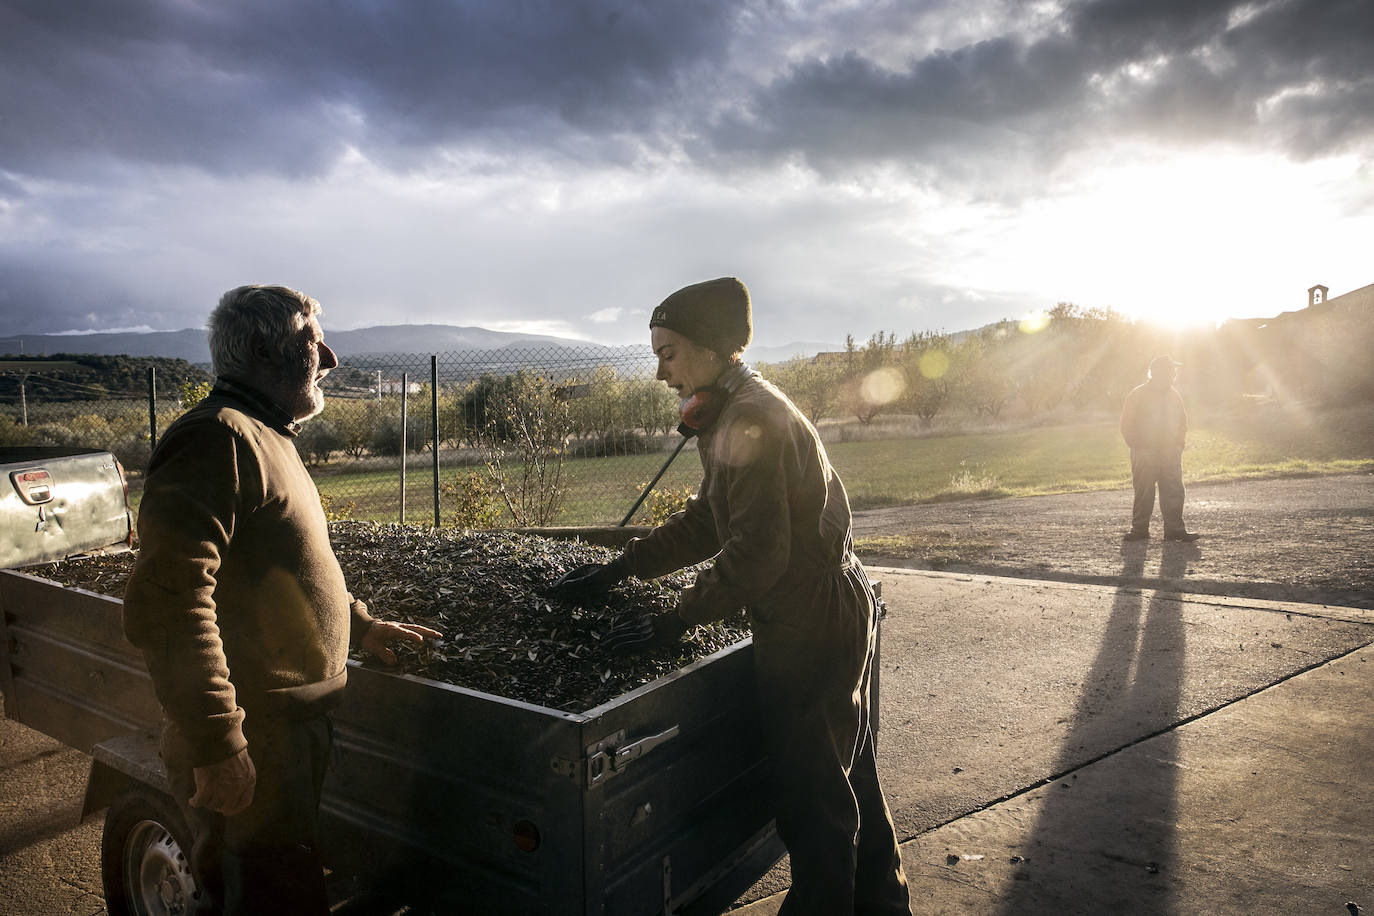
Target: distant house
834,358
393,386
572,392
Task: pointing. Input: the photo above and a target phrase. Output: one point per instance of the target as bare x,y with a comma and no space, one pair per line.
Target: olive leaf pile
485,591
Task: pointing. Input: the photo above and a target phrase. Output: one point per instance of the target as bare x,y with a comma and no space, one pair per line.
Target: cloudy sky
561,165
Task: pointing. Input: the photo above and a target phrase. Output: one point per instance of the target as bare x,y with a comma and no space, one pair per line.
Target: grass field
600,490
1263,441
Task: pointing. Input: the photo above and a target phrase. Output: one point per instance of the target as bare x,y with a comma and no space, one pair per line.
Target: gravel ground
1305,539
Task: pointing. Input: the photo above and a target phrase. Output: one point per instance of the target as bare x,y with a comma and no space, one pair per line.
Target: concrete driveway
1046,748
1051,748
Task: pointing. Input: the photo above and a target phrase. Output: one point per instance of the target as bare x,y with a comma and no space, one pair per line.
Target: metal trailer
440,798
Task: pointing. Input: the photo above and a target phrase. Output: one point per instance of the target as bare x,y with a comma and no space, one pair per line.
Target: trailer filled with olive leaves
439,797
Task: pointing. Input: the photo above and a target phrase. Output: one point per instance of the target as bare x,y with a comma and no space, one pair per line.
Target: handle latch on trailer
609,756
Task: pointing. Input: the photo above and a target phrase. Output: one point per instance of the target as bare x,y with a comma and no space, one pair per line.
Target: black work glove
645,632
589,581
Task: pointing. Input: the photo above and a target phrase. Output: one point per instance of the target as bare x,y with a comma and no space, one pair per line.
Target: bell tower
1316,295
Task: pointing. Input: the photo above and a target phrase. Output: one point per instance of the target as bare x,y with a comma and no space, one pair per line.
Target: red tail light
34,486
526,836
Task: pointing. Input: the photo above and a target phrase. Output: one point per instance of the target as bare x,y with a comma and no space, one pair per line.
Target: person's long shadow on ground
1091,831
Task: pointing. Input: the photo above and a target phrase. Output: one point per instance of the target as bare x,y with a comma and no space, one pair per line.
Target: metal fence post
405,384
434,426
152,408
601,385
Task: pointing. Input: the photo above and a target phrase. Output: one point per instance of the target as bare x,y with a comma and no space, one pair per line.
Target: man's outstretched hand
226,787
386,633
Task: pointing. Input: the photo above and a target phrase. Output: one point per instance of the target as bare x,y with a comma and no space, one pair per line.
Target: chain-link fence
482,438
552,435
113,403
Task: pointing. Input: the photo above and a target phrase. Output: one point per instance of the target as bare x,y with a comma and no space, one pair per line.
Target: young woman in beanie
774,515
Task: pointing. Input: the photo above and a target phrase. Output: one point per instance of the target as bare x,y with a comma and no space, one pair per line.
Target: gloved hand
648,631
588,581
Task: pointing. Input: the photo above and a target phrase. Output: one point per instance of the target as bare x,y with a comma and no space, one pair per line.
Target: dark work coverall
1154,424
774,514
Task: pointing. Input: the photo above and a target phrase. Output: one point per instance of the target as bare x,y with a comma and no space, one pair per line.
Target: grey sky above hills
190,344
891,164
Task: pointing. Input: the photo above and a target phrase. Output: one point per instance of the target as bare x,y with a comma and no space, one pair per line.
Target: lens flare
1035,322
933,364
883,386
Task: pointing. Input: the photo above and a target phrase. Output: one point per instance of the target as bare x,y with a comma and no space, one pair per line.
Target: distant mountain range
190,344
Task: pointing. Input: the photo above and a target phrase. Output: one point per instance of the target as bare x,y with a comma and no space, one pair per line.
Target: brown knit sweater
236,600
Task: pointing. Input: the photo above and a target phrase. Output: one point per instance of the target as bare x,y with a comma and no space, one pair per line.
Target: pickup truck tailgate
56,503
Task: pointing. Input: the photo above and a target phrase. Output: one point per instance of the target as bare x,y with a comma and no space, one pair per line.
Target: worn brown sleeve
687,537
360,621
757,545
202,482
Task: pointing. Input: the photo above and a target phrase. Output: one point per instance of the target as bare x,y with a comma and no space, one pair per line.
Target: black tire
145,858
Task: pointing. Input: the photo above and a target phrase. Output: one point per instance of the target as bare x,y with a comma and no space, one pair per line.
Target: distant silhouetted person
1154,424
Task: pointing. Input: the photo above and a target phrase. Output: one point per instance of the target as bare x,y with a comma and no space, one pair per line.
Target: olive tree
526,440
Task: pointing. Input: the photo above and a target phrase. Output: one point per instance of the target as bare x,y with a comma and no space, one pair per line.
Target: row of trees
603,414
519,427
1087,358
66,377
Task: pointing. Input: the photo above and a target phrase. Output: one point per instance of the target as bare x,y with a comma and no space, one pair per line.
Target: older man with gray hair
241,610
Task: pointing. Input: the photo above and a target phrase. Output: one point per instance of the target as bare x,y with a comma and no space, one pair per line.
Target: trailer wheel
145,857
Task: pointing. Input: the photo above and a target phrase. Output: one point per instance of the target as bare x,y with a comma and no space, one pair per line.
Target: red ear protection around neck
701,408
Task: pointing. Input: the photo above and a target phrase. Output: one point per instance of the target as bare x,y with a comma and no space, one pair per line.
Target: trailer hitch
609,756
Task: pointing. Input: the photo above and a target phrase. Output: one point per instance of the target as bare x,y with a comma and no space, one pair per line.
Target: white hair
251,319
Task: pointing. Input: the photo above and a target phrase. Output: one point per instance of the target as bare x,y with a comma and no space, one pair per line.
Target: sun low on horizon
1183,239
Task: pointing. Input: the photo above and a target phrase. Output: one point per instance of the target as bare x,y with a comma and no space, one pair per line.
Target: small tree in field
317,440
985,382
649,405
192,393
871,380
927,367
473,501
526,464
812,384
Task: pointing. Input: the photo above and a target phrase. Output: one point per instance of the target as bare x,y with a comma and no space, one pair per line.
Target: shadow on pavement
1136,677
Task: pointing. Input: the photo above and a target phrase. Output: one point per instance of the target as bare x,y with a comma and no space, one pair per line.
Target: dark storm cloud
264,86
284,87
43,292
1292,75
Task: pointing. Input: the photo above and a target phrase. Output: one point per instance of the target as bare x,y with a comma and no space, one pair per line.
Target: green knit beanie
714,314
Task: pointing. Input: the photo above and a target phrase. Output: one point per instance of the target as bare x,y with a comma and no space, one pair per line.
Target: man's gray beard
316,404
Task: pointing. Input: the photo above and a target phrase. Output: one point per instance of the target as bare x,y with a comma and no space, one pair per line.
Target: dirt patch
1293,539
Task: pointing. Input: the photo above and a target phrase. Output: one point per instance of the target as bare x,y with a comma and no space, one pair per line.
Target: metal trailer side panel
667,820
640,805
437,786
650,803
68,670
